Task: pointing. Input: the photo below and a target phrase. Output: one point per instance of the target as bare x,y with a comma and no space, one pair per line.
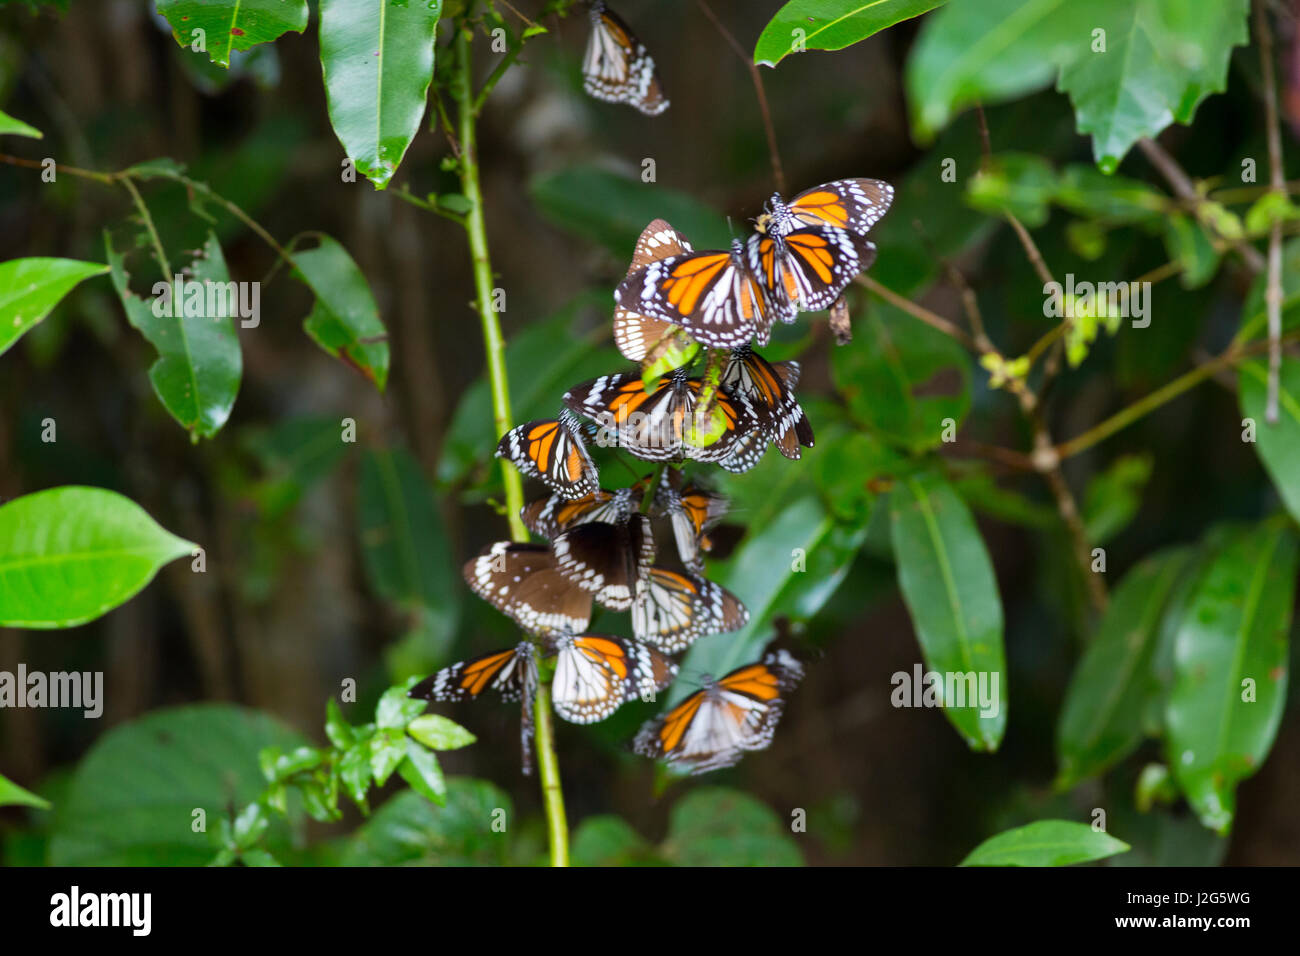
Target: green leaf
16,127
831,25
1161,58
439,733
988,52
903,379
1230,662
71,554
1189,246
404,544
789,567
1113,497
354,770
1020,184
607,840
387,750
295,454
1254,313
1102,719
199,365
1278,446
30,288
472,829
948,585
134,795
717,826
421,770
1111,199
611,210
395,709
1045,843
345,320
377,56
12,795
229,25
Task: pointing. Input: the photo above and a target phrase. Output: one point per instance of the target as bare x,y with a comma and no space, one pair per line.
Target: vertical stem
548,765
476,228
1273,288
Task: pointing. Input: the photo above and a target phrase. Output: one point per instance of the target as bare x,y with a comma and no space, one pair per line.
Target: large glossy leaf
68,555
1278,445
717,826
1230,666
134,796
611,210
377,56
474,828
407,555
16,127
30,288
230,25
789,567
948,585
991,51
345,320
1161,58
1045,843
1102,719
831,25
902,378
199,365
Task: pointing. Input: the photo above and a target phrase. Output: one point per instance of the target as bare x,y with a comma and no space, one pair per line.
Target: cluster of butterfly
602,551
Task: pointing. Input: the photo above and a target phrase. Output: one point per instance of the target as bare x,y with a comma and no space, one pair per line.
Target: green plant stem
475,228
149,227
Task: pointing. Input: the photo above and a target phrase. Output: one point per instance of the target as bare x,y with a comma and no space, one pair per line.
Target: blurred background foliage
329,561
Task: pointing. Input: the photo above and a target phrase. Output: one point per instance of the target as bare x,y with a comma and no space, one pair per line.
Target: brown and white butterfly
617,68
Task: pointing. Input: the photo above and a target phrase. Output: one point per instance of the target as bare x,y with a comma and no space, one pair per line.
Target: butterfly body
552,450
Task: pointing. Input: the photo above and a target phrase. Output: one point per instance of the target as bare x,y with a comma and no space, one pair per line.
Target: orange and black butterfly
523,582
554,514
595,673
692,511
640,337
672,610
654,425
805,270
551,449
716,725
617,68
512,673
770,390
606,559
716,296
852,204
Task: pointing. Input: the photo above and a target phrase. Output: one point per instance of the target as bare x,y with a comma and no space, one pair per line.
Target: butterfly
522,581
692,511
852,204
714,726
595,673
715,296
654,425
672,610
551,449
617,68
512,673
606,559
806,269
554,514
641,337
770,390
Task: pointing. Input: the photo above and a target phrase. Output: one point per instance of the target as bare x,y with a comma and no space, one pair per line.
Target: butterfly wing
617,68
771,394
555,514
551,450
809,267
691,511
852,204
521,581
637,335
595,673
672,610
606,559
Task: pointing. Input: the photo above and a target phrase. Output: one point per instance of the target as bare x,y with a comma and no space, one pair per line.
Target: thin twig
1273,288
778,172
918,311
158,252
